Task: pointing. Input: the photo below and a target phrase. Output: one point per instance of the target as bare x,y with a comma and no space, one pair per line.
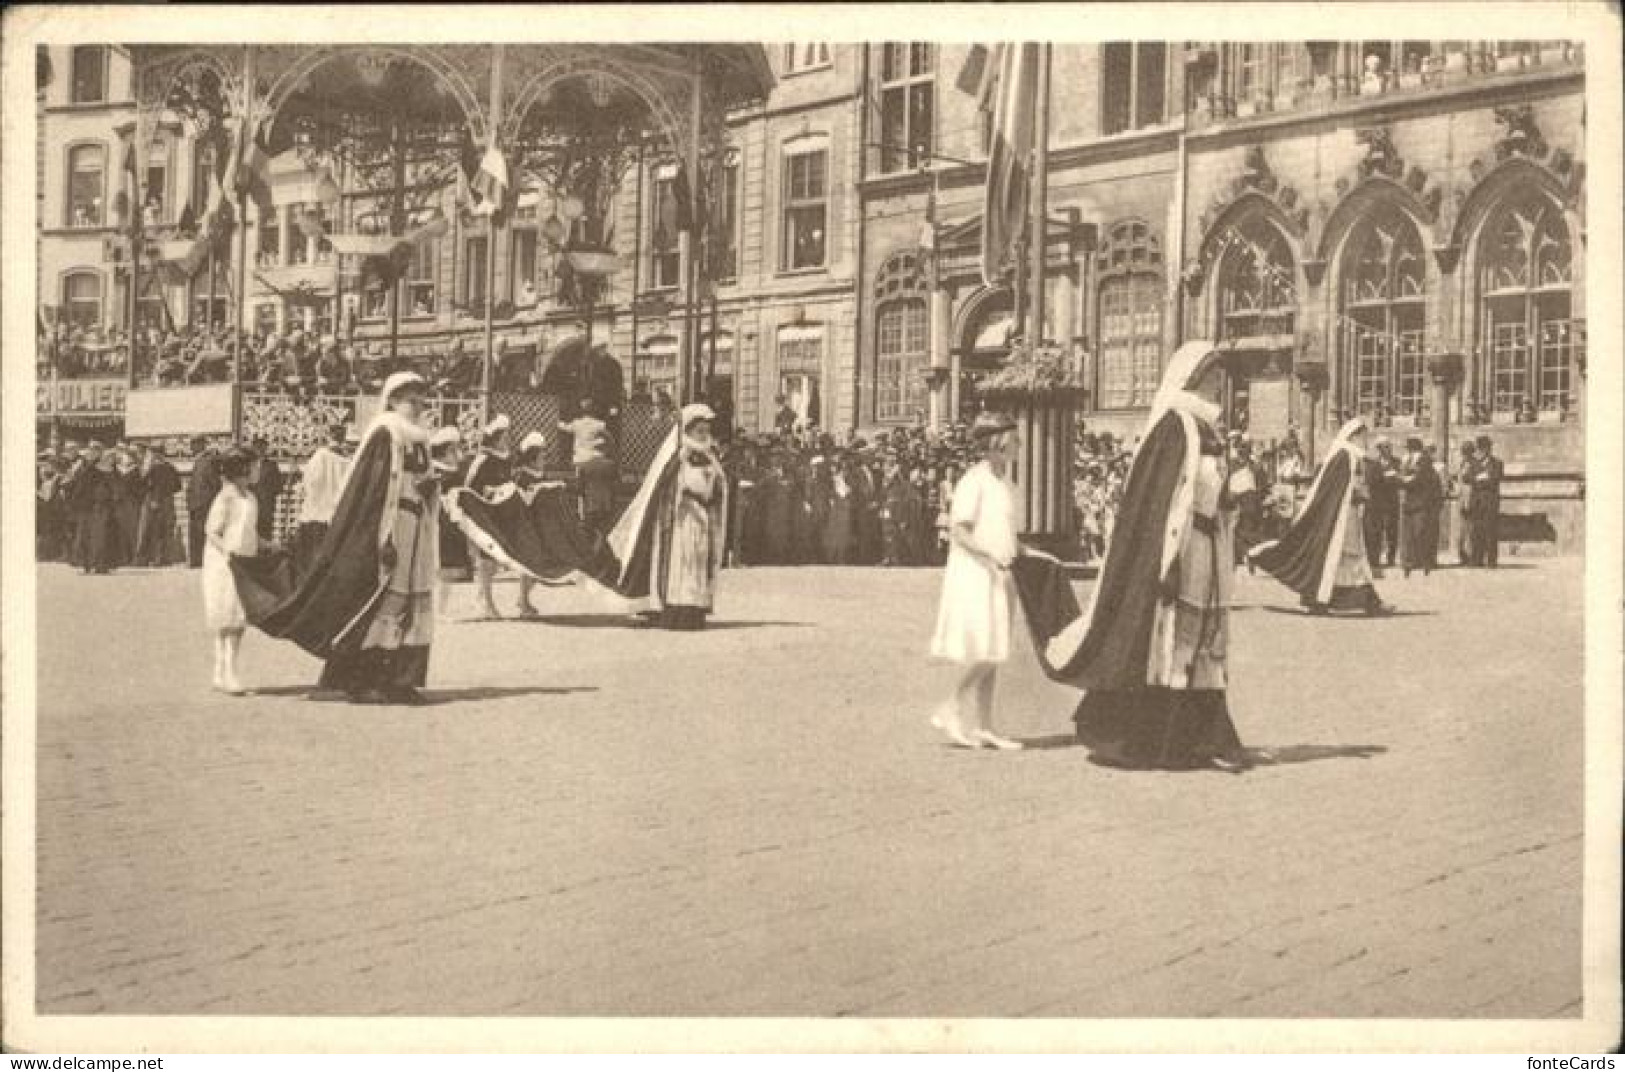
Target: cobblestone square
757,820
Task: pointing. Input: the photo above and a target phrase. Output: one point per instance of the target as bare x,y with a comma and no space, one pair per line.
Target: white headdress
396,382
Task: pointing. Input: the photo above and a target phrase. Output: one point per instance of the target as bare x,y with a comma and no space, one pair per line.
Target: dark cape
640,543
1115,651
1124,718
326,609
533,531
1300,558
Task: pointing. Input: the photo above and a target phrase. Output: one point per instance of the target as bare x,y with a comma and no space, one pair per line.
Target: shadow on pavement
1309,753
1347,616
622,621
435,697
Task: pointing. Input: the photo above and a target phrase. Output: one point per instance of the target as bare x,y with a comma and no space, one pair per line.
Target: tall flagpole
1039,201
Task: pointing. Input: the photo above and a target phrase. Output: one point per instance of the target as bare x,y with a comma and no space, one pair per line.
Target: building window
265,318
907,105
901,345
87,168
806,209
801,363
665,263
1382,317
420,281
657,368
1129,267
82,299
268,239
806,56
522,272
474,272
1257,282
155,188
1526,272
89,74
1134,84
1130,340
725,222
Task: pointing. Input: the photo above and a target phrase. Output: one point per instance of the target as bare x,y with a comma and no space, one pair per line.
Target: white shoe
993,740
946,720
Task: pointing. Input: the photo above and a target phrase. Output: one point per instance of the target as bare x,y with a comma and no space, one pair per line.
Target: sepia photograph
977,533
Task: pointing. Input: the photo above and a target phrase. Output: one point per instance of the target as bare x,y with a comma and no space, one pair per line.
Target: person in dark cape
1151,651
366,605
670,541
1322,556
529,525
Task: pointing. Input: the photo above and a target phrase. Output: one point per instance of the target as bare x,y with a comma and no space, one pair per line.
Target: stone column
285,233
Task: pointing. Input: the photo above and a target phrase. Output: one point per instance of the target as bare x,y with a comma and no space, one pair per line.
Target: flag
976,76
1013,101
246,172
128,202
490,186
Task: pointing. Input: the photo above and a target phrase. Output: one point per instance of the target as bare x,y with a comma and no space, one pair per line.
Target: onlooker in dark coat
201,489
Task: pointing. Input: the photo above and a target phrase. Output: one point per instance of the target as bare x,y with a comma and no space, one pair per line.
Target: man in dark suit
1382,509
267,488
201,489
1485,514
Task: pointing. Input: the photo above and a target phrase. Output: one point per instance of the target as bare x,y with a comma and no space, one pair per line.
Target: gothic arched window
1257,282
1130,313
1381,362
1526,334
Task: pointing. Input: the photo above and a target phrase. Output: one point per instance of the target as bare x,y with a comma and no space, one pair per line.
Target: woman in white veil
1151,652
1322,556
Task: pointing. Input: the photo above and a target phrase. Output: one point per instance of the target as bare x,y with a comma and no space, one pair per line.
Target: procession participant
1486,476
323,482
1381,474
530,472
1422,495
490,470
157,526
366,606
1152,652
201,488
1322,555
231,531
978,596
670,541
446,461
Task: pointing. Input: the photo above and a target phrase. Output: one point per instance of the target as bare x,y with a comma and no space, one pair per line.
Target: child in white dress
975,615
229,530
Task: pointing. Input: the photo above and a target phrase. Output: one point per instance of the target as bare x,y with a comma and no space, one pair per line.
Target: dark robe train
1150,653
365,605
1322,555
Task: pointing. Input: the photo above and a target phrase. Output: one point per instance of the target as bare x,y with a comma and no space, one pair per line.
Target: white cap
397,381
499,423
445,435
697,411
532,440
